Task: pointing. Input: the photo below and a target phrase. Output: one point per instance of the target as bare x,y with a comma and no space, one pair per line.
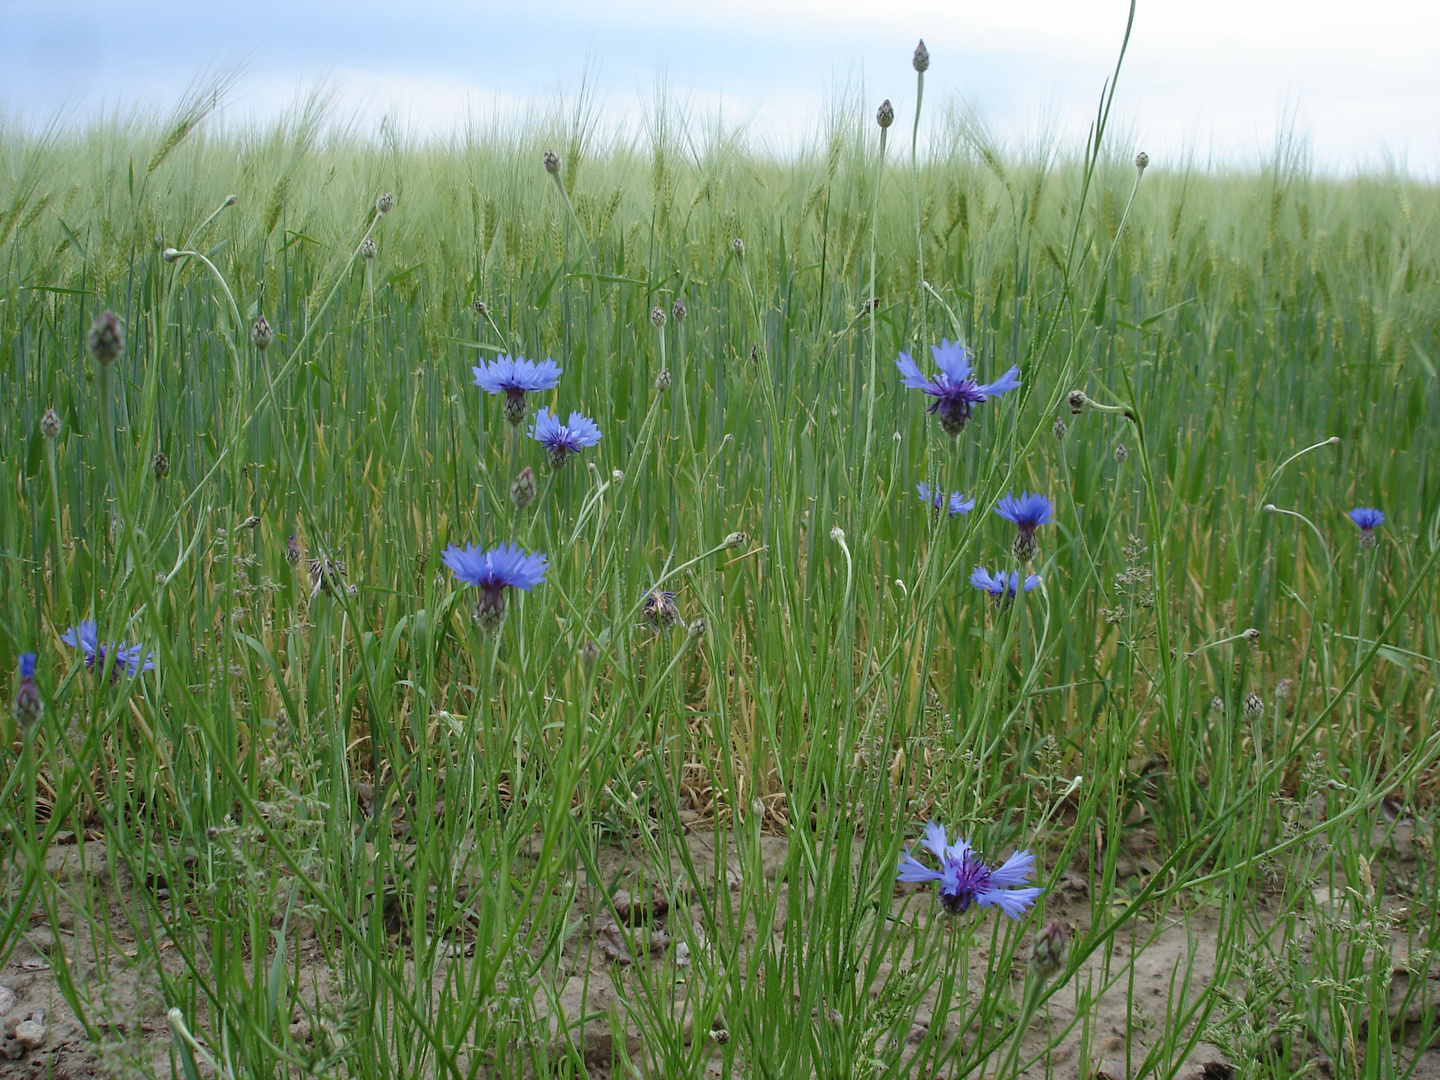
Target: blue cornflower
954,391
958,503
514,376
1002,585
27,706
1027,513
965,880
562,440
1367,518
502,567
127,657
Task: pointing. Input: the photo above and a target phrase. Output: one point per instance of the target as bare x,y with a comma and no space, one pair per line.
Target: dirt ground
136,1029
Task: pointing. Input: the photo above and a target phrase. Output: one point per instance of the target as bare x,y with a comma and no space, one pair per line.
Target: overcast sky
1210,79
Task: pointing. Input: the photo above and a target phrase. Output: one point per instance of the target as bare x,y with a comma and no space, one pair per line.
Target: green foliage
363,783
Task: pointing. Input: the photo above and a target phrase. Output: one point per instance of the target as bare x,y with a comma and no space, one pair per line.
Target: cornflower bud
106,340
1282,689
522,488
292,552
1251,634
738,247
368,248
1047,951
589,655
885,115
1254,706
50,424
698,628
837,534
160,466
677,310
170,254
1059,429
385,203
657,316
552,162
1077,401
480,307
921,59
1217,705
260,333
1142,160
231,200
250,522
735,540
662,381
1121,453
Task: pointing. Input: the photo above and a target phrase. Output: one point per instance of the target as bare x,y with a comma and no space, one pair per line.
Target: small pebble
30,1035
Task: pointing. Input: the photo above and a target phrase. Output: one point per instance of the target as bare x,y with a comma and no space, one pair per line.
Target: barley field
303,784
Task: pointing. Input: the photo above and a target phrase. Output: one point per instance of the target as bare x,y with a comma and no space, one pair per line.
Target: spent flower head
1027,513
562,440
965,880
127,658
505,566
514,376
958,504
955,392
660,609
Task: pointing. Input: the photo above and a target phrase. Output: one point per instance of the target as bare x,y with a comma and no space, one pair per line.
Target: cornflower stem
874,340
573,219
915,188
1333,440
1029,1005
62,567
